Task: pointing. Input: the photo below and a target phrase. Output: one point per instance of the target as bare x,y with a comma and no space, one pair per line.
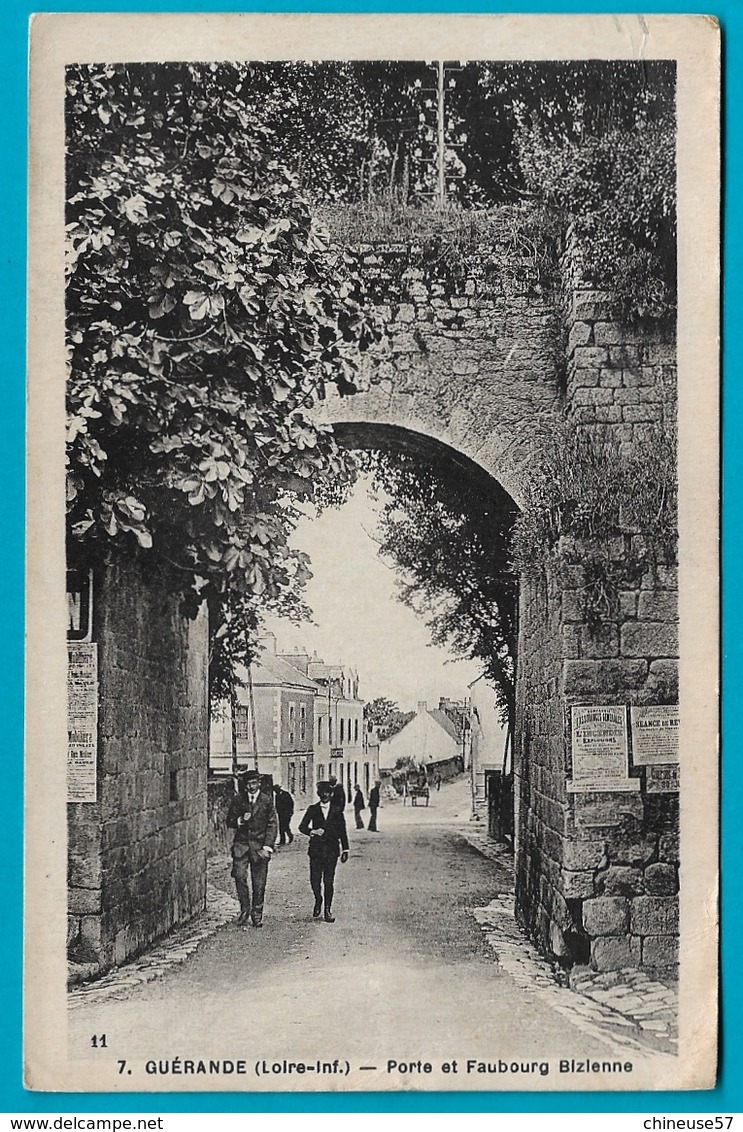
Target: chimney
422,706
268,640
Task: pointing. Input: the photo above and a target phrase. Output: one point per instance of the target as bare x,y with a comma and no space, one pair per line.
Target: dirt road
404,975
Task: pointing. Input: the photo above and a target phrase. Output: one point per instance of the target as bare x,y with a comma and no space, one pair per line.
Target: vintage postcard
373,536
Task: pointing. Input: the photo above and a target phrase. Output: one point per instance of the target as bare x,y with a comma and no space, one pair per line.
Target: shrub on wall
585,493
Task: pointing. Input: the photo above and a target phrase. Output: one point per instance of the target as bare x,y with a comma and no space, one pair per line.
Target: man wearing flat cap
253,817
325,826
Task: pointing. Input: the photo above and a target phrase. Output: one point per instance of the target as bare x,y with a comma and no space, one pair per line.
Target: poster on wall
82,721
655,734
662,779
599,749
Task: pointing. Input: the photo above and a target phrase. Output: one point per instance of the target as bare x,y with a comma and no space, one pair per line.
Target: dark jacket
284,803
374,798
358,802
338,797
334,838
260,829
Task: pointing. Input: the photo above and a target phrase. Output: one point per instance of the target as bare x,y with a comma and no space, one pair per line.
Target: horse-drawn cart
417,792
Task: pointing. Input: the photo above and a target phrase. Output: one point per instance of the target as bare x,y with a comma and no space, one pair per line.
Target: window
242,723
319,729
355,730
321,772
342,728
292,784
302,723
330,731
292,722
303,777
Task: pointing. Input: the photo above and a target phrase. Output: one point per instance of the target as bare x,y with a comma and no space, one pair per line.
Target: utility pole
233,732
440,145
254,729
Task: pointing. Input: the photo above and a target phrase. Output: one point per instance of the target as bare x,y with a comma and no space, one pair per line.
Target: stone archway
478,363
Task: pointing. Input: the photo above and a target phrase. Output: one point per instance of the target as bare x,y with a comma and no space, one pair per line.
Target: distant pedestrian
338,794
284,809
438,781
253,817
373,807
358,806
325,826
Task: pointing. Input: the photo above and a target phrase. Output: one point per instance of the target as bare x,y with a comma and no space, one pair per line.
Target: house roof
270,671
438,716
446,722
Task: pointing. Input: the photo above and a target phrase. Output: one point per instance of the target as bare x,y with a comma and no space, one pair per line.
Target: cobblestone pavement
637,1011
628,1001
220,909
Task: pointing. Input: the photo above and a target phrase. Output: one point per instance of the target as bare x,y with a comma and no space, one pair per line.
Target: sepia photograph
373,509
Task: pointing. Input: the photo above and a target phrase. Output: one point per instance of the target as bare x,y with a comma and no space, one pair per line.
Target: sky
357,619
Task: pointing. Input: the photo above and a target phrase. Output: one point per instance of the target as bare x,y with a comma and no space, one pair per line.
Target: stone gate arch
481,360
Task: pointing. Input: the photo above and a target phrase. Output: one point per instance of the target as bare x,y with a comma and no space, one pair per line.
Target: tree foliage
206,315
448,537
592,141
385,715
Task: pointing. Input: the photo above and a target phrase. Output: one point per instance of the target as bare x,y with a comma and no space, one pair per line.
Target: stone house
283,699
339,726
430,739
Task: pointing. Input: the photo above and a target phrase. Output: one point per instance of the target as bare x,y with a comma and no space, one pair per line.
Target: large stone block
578,885
83,901
629,846
580,855
639,413
606,915
649,638
608,334
654,915
661,880
659,605
612,953
620,880
660,951
593,396
580,335
590,357
606,676
599,642
663,679
607,812
591,305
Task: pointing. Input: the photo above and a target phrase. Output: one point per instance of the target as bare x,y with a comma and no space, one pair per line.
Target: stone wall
598,873
470,354
487,356
137,856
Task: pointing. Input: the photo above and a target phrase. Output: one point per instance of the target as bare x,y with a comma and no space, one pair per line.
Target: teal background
727,1097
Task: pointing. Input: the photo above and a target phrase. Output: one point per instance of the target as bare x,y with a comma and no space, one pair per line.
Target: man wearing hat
253,817
325,826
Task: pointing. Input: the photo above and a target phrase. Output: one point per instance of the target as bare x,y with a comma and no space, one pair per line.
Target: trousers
258,877
322,878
